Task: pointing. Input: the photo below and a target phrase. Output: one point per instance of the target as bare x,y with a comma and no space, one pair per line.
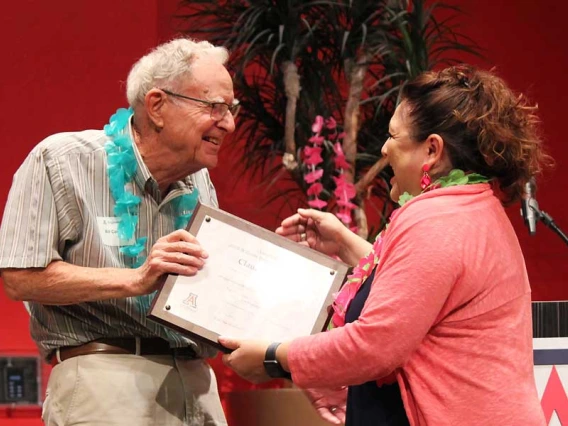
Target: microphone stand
547,220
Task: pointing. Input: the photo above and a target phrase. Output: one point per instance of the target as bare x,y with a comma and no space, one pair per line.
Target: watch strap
272,366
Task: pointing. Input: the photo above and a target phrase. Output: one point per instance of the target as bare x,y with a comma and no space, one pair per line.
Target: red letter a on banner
554,399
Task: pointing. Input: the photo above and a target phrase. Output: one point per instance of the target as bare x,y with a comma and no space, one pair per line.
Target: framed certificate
255,284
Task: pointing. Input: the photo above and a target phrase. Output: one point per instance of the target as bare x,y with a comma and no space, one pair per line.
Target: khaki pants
131,390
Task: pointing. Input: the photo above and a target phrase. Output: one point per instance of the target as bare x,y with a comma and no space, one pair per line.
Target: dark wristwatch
272,366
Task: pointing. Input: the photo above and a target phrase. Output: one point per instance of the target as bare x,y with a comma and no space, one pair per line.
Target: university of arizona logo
191,300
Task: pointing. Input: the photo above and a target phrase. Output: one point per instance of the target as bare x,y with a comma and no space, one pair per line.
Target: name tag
108,229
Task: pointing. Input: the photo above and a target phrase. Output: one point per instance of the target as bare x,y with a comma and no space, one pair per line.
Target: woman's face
405,155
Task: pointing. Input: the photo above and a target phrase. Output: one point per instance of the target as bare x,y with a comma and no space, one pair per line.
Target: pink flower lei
344,191
355,280
347,293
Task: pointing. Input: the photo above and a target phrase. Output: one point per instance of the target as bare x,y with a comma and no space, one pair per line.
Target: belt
132,346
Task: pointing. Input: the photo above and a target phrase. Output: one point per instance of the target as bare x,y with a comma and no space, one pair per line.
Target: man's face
189,131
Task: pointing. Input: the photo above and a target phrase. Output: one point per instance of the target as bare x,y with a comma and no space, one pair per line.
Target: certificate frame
160,311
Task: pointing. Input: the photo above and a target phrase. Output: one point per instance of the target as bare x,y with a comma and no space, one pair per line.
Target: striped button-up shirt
56,210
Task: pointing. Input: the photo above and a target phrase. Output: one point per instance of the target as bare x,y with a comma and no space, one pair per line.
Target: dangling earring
426,179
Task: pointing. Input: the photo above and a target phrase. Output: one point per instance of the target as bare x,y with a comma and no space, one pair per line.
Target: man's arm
61,283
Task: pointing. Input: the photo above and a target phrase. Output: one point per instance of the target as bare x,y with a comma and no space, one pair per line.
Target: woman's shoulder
452,206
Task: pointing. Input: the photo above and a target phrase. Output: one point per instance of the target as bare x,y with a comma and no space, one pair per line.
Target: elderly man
93,223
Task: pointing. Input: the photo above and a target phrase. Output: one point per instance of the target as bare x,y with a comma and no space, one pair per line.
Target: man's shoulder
79,143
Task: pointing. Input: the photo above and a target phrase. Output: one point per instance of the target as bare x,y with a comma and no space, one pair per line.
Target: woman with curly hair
441,302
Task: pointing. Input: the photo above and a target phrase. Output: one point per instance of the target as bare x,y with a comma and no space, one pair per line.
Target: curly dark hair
486,128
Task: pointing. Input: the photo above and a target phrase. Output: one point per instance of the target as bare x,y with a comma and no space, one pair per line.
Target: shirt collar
143,177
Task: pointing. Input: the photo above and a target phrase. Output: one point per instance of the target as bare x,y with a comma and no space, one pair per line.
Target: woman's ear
154,101
438,158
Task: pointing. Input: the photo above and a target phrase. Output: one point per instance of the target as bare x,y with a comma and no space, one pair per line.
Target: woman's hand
247,358
318,230
329,403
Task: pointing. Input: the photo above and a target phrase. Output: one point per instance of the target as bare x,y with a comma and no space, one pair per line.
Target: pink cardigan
449,313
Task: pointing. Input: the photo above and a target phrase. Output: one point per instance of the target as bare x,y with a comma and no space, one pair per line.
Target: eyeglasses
218,109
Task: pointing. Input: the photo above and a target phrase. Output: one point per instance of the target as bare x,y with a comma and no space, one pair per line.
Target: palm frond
394,40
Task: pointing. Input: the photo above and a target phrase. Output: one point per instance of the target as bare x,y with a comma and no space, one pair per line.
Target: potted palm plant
319,81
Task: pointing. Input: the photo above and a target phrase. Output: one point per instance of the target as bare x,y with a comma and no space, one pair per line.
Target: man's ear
154,101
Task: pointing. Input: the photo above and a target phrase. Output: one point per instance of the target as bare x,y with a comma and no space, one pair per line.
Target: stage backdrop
65,62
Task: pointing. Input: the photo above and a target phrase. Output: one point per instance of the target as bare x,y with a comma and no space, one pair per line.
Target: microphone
529,206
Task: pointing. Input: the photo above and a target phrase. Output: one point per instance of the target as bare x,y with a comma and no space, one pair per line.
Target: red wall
63,67
64,64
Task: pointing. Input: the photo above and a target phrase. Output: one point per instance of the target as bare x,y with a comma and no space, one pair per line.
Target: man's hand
176,253
329,403
247,358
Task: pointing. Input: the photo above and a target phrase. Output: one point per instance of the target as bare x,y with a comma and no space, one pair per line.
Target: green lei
454,178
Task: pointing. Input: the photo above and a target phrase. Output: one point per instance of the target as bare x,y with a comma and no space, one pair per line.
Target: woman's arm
325,233
418,268
410,288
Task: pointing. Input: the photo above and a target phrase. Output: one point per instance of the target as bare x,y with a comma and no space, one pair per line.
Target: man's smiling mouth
214,141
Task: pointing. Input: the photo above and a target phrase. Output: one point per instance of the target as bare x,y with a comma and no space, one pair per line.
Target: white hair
166,63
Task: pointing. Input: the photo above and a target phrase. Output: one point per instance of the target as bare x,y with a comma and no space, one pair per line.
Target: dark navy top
369,404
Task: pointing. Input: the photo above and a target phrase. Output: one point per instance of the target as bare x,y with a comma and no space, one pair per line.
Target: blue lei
121,168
